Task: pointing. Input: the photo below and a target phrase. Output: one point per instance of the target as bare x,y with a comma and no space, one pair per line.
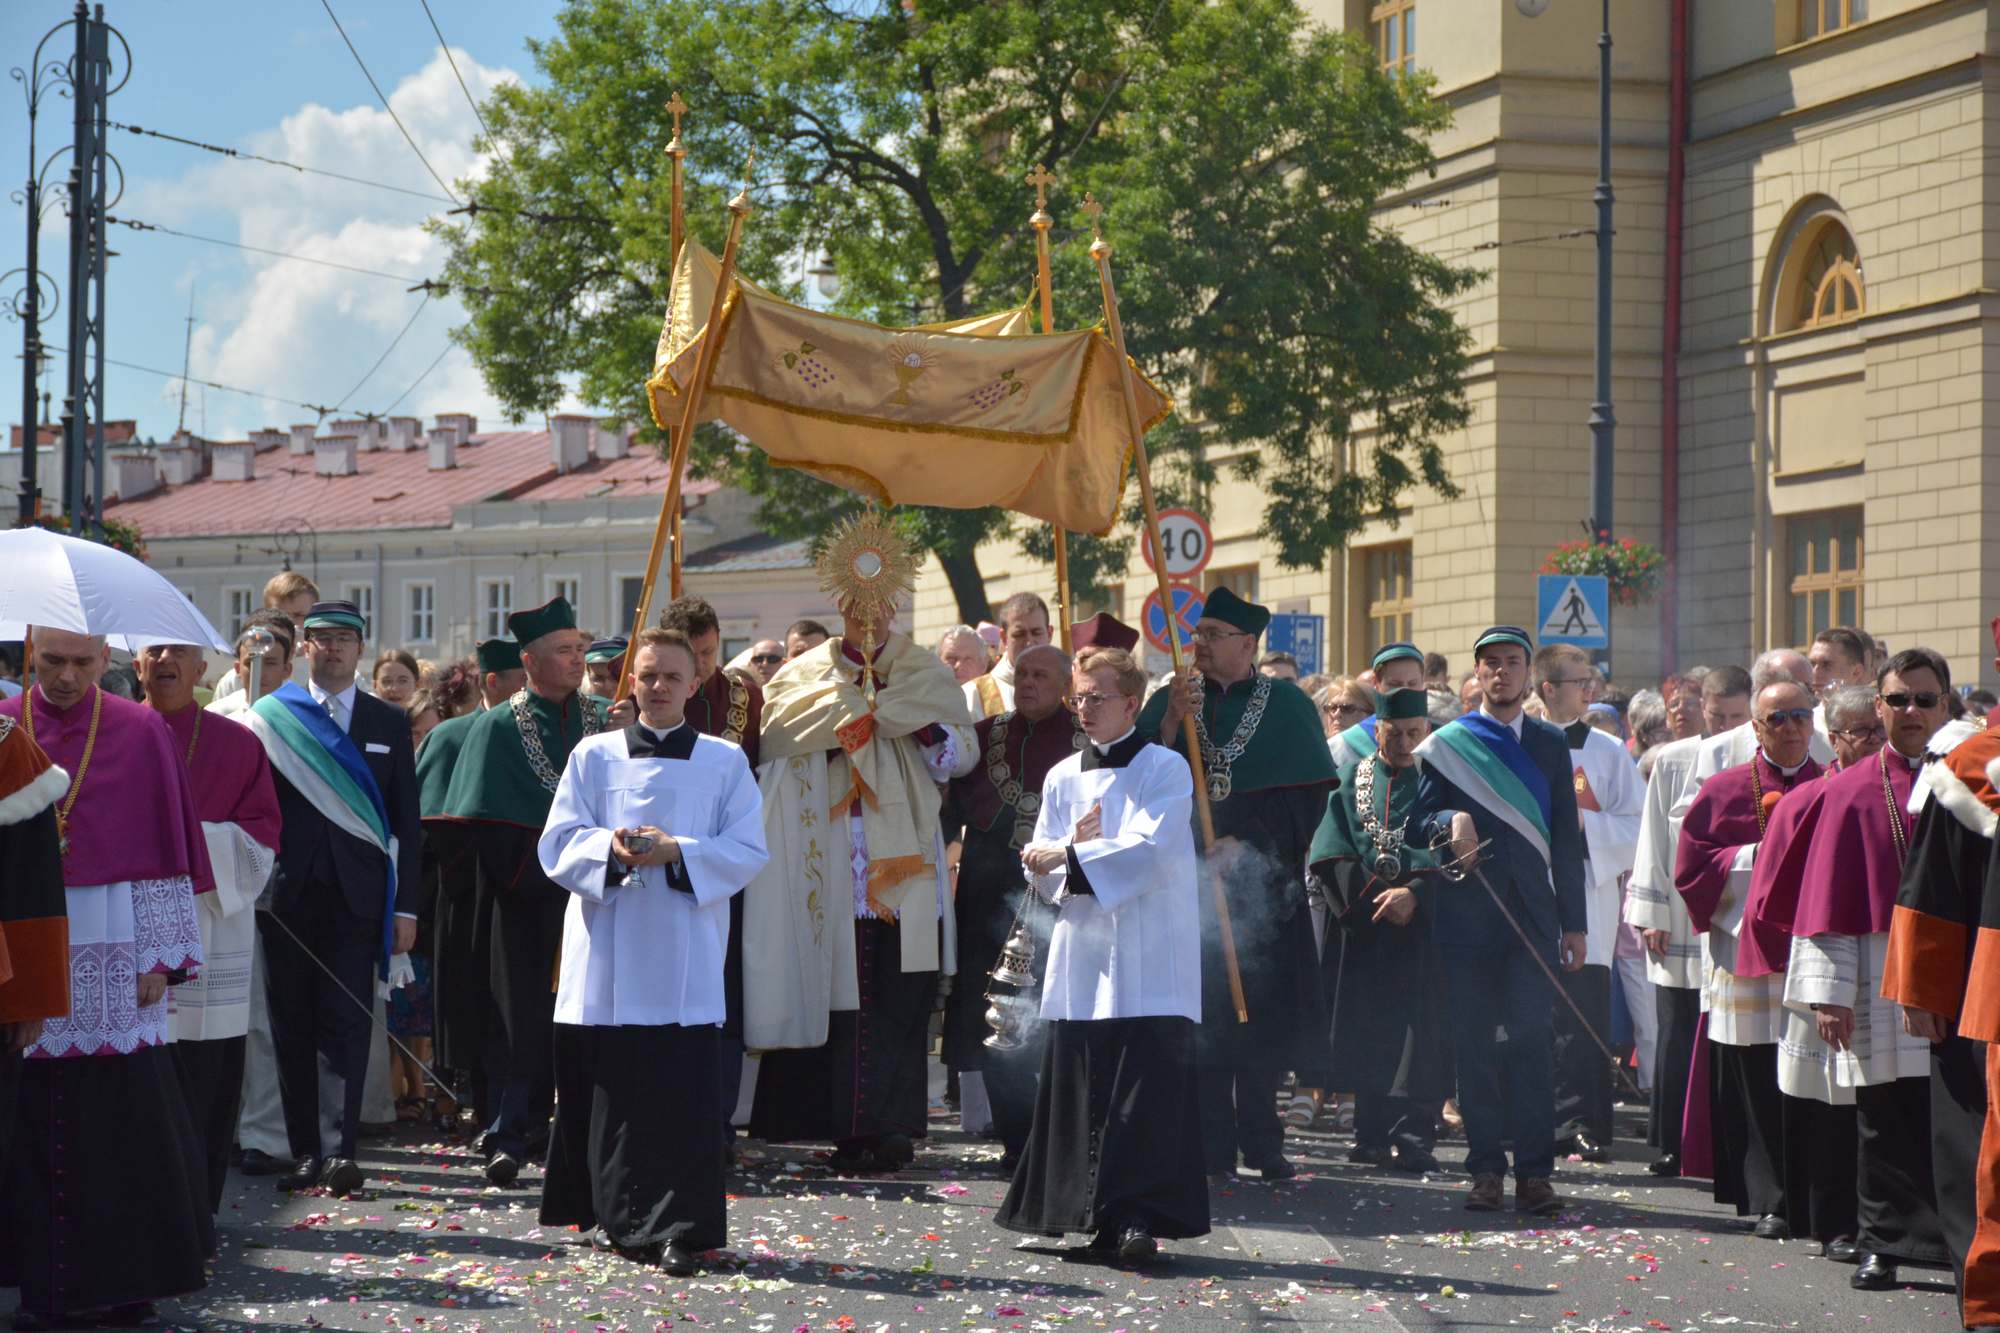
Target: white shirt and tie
339,707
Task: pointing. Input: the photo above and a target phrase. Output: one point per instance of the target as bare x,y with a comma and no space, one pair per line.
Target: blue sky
272,76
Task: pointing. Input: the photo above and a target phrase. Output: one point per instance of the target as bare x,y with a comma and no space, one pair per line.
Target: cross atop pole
1095,212
1041,178
676,108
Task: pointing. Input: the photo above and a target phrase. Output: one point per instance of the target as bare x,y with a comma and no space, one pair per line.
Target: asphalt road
428,1247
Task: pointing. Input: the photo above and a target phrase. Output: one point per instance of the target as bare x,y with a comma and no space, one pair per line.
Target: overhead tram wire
418,380
327,5
446,48
386,352
209,384
137,225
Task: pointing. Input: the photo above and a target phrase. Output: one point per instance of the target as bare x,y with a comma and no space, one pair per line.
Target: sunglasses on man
1921,698
768,659
1788,717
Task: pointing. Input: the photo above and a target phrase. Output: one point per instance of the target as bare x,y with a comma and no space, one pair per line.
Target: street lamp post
1603,423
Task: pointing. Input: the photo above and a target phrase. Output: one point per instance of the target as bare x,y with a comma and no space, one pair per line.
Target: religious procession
607,969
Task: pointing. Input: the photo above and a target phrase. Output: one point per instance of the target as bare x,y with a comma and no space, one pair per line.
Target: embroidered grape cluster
991,394
815,372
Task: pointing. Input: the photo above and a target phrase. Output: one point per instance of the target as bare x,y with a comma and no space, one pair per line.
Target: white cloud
303,331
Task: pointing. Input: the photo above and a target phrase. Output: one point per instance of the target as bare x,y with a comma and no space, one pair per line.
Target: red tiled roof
50,432
390,490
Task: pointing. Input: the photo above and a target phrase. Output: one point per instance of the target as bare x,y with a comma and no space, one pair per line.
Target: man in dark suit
330,922
1503,776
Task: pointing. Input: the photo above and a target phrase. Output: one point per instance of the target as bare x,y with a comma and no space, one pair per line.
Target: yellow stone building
1823,459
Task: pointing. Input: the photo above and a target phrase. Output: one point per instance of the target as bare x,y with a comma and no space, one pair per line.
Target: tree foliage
1239,150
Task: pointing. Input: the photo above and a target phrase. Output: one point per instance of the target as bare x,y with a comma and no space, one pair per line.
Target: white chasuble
1651,902
1131,947
1610,801
647,953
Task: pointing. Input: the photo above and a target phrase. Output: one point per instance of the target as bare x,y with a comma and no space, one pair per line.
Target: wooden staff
704,366
1042,178
676,234
1100,250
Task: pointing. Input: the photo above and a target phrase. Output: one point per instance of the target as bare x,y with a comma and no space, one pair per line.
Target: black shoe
1772,1227
1668,1164
303,1175
1842,1250
895,1151
1877,1273
1009,1163
342,1177
1417,1161
1587,1147
1368,1154
1104,1242
257,1162
852,1160
482,1142
503,1170
1137,1246
1275,1169
679,1261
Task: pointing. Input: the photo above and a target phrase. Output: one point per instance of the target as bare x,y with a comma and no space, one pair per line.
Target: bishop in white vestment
639,995
1116,1148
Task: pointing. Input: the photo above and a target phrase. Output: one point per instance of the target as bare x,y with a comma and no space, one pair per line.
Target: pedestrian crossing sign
1574,608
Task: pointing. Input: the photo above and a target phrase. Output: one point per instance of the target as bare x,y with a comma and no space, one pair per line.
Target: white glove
401,973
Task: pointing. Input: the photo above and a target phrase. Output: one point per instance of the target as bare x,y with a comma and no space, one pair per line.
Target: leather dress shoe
679,1261
303,1175
1536,1197
1667,1164
1877,1273
1275,1169
895,1151
342,1177
1484,1196
1842,1250
1587,1147
1368,1154
257,1162
1772,1227
1416,1161
1136,1246
502,1170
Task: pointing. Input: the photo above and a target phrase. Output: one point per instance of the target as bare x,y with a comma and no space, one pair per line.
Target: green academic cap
1230,609
605,650
1393,652
1513,634
527,626
1400,705
336,615
499,655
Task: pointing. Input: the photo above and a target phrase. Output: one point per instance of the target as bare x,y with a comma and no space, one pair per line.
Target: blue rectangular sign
1303,636
1573,608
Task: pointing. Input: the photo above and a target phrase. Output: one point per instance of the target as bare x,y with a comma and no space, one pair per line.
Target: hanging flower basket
119,536
1632,569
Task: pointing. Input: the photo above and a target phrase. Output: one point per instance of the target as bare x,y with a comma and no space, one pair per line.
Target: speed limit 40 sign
1188,541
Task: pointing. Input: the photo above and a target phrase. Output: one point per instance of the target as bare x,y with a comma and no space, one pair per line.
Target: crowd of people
1142,926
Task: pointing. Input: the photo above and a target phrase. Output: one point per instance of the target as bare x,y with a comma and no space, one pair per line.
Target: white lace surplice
1846,970
116,933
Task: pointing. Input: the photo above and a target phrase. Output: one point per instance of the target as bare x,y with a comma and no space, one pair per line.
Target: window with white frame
569,588
363,597
496,603
421,623
237,604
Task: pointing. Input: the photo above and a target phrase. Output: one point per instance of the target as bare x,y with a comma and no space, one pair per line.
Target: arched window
1822,281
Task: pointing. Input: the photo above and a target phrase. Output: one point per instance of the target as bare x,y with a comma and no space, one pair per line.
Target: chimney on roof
333,456
302,438
611,443
366,438
444,450
235,461
569,441
133,475
464,422
266,439
180,462
403,433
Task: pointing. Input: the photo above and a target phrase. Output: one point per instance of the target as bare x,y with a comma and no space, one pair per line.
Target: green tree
1239,148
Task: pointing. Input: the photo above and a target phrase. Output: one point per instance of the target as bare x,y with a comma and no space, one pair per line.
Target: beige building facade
1813,454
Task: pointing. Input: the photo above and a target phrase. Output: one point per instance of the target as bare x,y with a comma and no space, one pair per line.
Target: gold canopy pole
676,234
1100,250
704,366
1042,178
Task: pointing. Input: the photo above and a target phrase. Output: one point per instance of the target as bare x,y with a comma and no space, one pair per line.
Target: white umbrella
63,583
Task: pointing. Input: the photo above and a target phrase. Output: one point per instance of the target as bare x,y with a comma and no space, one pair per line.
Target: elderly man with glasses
1268,775
1351,714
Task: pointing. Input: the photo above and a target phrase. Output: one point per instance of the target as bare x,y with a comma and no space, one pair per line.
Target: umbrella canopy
964,414
64,583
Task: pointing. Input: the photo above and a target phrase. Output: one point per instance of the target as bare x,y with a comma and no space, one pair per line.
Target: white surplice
649,954
1651,902
1131,948
1611,832
216,1004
